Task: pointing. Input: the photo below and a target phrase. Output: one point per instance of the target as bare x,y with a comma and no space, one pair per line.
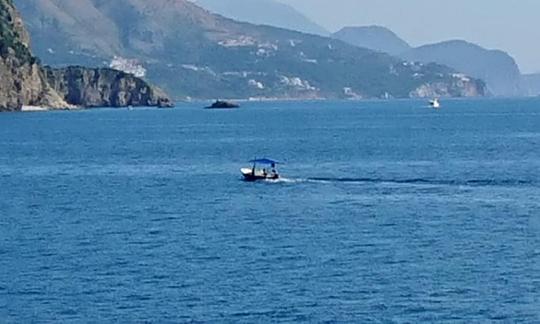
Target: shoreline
179,103
33,108
247,100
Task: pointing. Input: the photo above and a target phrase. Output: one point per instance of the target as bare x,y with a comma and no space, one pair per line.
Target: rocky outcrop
459,88
103,87
24,82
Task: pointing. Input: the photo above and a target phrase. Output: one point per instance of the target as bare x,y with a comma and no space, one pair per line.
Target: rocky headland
103,87
25,82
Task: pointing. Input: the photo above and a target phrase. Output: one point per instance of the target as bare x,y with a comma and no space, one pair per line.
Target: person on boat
273,172
265,173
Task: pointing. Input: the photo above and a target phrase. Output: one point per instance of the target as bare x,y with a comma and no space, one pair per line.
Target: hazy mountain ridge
193,53
530,84
373,37
264,12
498,69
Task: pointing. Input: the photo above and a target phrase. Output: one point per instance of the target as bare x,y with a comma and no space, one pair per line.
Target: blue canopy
264,161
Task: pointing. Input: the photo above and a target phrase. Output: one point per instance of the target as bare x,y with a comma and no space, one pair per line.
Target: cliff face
103,88
25,84
23,81
460,87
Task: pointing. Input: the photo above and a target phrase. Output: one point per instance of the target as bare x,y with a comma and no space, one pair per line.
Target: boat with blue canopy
262,169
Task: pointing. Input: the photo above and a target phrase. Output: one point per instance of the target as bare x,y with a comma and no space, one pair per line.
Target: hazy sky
510,25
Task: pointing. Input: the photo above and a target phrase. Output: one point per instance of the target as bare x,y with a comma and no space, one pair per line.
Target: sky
509,25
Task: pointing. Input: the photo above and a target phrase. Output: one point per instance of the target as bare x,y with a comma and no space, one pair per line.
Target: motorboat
435,103
255,173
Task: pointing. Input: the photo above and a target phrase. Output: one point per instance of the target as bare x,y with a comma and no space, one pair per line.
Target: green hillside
192,53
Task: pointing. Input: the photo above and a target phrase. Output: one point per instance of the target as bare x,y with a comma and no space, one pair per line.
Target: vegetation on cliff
10,38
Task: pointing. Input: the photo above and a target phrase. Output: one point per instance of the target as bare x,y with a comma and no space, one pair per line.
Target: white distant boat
435,103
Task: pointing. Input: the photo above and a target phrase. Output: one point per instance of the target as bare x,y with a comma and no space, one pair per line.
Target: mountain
373,37
192,53
497,68
264,12
530,84
24,82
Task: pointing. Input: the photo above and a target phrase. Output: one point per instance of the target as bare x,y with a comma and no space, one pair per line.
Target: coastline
292,99
31,108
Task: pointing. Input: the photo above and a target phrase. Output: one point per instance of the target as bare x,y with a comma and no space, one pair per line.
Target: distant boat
254,173
435,103
221,104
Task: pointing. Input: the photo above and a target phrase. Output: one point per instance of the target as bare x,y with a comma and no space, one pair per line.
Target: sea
387,212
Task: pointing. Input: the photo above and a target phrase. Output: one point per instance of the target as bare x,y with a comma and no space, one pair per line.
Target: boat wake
412,181
285,180
418,181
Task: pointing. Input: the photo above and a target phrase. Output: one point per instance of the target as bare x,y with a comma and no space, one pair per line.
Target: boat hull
435,104
257,176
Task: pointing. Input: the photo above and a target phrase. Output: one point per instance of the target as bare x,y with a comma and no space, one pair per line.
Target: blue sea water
389,212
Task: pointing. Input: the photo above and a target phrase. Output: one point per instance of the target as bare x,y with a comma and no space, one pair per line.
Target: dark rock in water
220,104
165,102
